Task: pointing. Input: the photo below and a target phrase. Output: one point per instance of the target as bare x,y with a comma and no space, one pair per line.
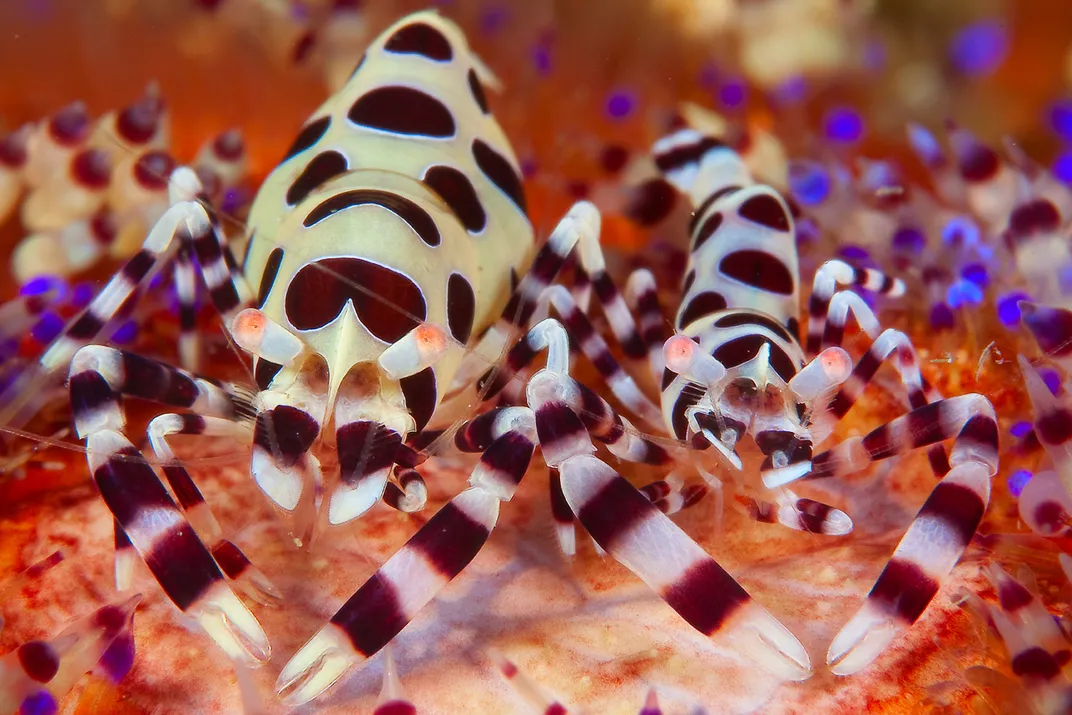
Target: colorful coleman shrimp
735,366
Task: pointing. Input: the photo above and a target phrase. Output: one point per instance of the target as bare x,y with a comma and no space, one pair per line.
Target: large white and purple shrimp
735,366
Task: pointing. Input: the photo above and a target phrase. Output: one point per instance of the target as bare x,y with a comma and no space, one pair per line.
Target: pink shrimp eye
836,362
250,323
430,337
678,352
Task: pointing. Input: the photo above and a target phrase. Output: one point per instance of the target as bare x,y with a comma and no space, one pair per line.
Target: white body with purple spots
740,303
736,365
439,213
400,204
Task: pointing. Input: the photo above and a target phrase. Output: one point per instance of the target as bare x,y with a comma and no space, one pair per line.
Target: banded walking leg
885,346
412,577
672,495
626,523
1036,643
451,539
797,513
234,564
581,288
593,346
600,421
186,222
937,536
643,539
522,305
141,505
598,418
922,427
580,230
640,292
184,276
829,276
891,346
642,297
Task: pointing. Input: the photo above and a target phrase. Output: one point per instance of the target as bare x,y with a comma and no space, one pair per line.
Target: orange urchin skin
588,629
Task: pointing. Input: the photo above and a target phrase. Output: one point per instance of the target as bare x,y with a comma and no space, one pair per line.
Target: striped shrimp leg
579,231
412,577
451,539
234,564
169,546
894,347
590,342
637,534
185,222
392,597
596,349
937,536
636,345
184,277
672,495
36,675
642,297
969,418
568,414
886,347
143,509
826,304
798,513
582,219
184,215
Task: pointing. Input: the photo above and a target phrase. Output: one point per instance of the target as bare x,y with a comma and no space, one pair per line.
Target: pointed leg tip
775,648
317,665
235,630
860,642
